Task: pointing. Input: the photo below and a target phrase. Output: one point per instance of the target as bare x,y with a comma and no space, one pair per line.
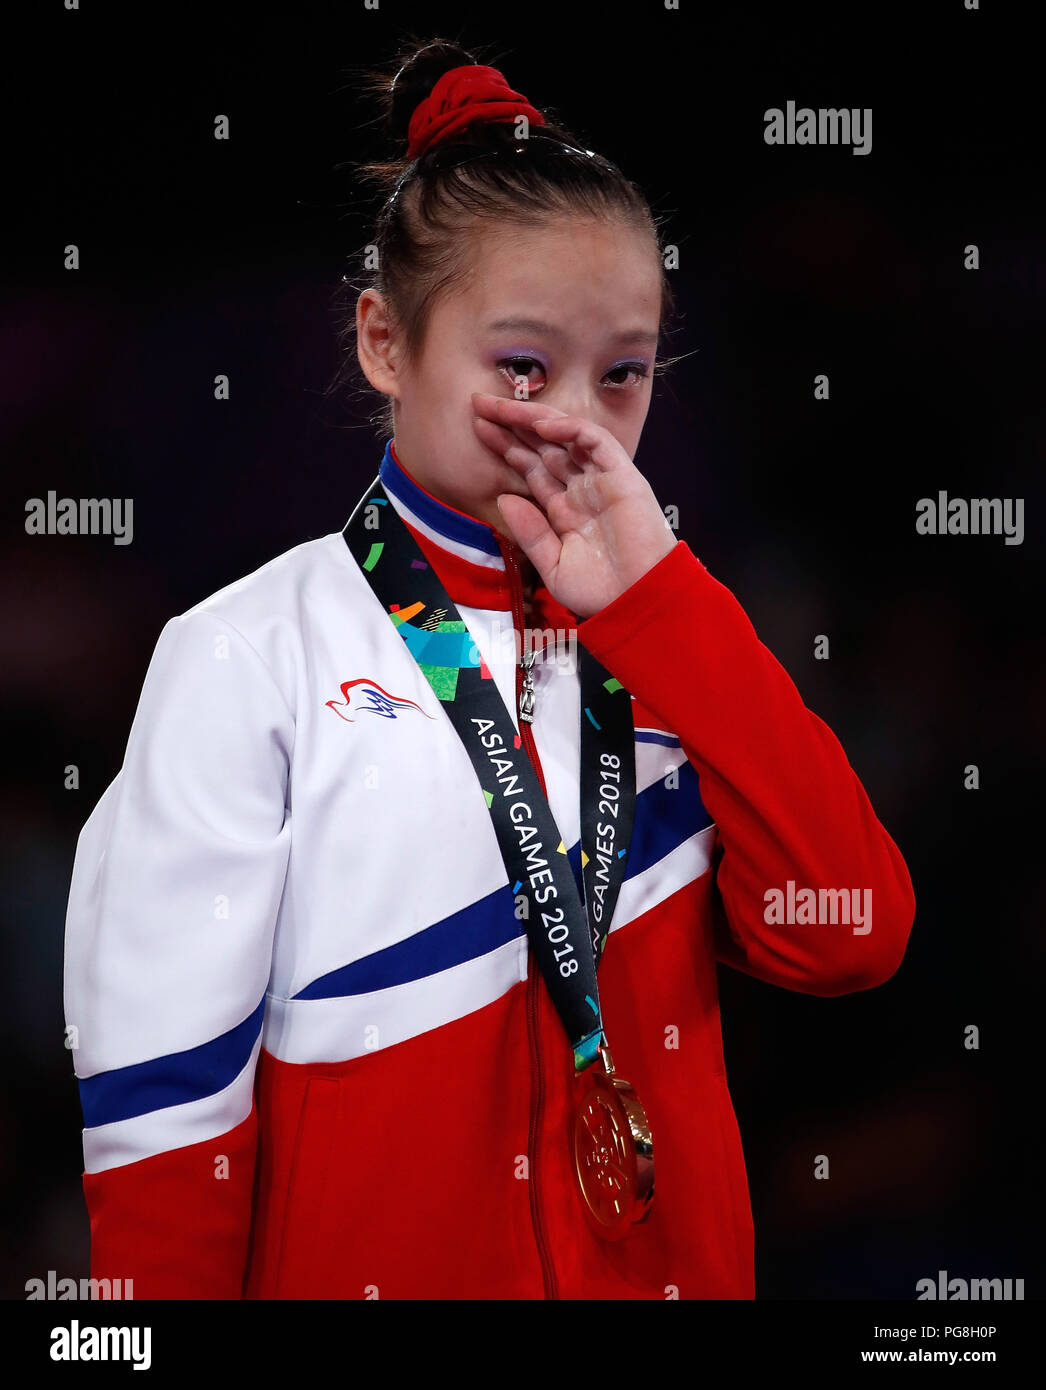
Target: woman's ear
377,347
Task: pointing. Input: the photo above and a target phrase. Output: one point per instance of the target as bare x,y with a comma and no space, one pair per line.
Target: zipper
526,695
525,706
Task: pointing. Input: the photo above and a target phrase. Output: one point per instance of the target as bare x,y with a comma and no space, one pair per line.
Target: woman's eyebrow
525,325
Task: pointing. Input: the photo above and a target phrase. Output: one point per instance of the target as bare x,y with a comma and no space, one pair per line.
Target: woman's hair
435,204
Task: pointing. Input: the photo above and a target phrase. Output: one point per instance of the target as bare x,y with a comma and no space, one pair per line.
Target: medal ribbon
566,936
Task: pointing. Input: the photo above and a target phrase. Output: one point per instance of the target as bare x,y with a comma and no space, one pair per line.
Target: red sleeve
177,1223
773,776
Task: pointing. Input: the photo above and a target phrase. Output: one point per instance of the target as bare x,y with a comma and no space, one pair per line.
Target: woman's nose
571,397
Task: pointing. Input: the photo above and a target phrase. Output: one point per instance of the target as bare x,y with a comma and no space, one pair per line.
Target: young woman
392,947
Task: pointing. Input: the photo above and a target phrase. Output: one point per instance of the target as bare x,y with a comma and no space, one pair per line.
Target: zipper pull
526,695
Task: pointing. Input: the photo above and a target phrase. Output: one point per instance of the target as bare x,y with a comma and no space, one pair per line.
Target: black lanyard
567,947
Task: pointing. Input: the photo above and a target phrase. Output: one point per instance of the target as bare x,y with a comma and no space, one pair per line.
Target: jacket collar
466,553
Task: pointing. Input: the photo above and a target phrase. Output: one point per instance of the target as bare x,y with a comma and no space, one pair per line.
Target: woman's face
572,308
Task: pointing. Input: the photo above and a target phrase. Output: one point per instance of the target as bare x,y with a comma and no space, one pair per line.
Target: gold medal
613,1151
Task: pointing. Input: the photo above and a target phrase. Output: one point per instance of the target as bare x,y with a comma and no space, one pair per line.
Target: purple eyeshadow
522,352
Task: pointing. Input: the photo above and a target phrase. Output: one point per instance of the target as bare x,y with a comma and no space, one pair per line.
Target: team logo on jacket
370,698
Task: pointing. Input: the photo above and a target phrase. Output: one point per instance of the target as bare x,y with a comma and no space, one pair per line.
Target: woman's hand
598,527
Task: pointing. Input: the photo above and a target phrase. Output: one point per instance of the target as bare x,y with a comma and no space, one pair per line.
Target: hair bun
416,79
473,94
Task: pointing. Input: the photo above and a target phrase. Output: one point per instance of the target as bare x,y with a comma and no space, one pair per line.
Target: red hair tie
469,93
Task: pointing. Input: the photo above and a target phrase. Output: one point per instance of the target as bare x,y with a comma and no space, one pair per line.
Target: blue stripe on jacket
490,922
474,931
180,1077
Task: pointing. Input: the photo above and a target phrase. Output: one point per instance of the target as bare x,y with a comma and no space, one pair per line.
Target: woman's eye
517,367
639,368
617,377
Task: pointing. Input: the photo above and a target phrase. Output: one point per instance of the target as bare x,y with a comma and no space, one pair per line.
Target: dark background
200,257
